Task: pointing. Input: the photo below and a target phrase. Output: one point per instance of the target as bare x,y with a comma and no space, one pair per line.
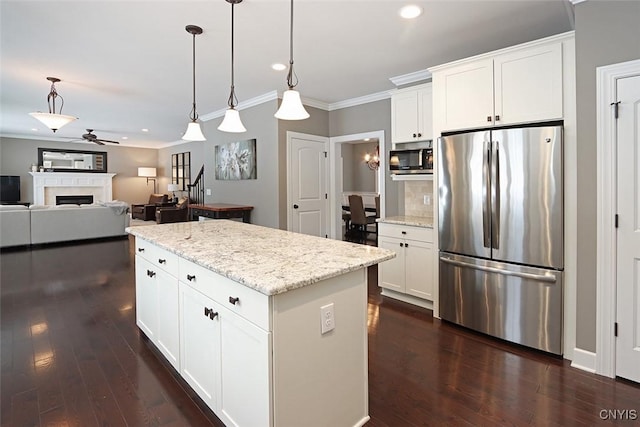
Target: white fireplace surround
48,185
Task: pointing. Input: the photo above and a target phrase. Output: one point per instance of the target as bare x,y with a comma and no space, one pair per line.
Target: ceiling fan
91,137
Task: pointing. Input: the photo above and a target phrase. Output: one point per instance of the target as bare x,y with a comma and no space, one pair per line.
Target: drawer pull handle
206,311
162,261
190,277
234,300
140,249
404,232
151,273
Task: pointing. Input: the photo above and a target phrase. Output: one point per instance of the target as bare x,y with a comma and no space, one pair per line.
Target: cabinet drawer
405,232
246,302
161,258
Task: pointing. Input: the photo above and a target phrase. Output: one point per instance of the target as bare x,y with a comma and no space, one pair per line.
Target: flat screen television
9,188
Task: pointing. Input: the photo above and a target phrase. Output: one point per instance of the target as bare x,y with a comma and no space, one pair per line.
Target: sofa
15,225
48,224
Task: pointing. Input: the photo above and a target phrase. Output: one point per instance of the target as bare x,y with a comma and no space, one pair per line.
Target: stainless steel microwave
412,160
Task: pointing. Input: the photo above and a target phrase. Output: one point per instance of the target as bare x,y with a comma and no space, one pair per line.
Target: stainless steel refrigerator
501,233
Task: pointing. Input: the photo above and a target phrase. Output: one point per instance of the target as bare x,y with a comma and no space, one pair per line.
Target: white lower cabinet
411,272
200,344
258,360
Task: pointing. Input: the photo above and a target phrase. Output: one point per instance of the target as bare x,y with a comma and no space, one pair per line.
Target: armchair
177,213
147,212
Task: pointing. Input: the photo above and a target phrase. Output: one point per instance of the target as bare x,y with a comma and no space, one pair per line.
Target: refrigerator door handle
495,197
537,277
486,199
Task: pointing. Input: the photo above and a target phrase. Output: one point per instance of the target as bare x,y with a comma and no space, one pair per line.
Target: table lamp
173,188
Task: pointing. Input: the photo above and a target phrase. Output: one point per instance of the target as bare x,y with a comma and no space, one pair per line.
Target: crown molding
321,105
416,76
360,100
243,105
575,2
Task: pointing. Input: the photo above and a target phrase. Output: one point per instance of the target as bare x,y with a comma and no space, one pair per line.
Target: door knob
295,206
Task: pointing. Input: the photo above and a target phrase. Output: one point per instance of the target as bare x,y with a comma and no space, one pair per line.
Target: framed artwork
236,160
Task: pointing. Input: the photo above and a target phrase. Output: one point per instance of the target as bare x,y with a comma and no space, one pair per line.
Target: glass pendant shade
291,107
193,133
232,122
53,121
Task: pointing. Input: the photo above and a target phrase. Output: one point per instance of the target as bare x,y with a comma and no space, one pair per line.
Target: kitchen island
268,327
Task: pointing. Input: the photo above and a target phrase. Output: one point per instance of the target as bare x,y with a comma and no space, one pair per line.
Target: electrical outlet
327,318
208,191
427,199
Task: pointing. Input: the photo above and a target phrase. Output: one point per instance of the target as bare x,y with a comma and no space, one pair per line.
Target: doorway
339,146
618,302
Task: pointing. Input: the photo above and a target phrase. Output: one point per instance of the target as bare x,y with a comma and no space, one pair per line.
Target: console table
221,211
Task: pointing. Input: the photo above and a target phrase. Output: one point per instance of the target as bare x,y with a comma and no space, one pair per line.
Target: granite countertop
268,260
416,221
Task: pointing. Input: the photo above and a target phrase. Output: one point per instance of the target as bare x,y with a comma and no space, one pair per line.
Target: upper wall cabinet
411,114
521,84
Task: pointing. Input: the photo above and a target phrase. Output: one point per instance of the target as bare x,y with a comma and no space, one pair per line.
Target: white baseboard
408,298
585,360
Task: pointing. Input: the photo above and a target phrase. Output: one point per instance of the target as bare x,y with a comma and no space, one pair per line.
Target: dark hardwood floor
72,356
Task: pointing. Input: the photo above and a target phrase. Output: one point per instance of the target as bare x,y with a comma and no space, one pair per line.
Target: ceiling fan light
193,133
232,122
291,107
53,121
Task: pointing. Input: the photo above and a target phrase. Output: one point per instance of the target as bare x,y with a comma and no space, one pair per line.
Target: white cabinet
411,272
225,358
523,84
157,298
411,114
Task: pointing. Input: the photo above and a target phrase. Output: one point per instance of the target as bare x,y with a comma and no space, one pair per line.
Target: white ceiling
126,65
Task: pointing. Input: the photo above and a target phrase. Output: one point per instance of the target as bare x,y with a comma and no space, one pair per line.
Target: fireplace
48,185
82,199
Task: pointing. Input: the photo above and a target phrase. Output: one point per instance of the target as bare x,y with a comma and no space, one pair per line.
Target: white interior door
628,243
308,199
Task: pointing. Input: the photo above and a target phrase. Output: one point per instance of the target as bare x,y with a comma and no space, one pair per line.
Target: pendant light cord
233,100
194,114
292,77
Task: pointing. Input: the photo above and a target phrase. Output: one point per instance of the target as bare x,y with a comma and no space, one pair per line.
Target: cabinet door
528,85
464,95
146,297
200,345
391,273
168,331
246,372
404,116
419,269
425,113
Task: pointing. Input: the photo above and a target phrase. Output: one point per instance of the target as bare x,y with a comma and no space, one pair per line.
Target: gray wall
357,174
368,118
606,33
164,162
17,155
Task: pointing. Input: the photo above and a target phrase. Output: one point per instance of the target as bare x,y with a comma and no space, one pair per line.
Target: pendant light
231,121
194,133
291,107
53,120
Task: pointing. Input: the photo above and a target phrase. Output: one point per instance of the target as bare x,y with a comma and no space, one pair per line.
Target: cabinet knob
162,261
234,300
190,277
489,118
151,273
414,135
212,314
497,118
402,245
206,311
404,232
406,245
419,134
140,249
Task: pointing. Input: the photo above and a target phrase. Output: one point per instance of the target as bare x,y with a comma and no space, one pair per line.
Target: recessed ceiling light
145,130
410,11
279,67
34,129
125,137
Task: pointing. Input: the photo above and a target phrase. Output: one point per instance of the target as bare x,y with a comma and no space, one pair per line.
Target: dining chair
359,219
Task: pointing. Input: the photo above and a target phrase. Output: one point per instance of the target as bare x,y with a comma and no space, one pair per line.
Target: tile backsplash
414,195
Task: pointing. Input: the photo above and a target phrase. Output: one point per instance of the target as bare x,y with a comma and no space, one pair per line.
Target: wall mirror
56,160
181,170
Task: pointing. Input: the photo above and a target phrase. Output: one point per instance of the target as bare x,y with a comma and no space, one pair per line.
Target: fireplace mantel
46,185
